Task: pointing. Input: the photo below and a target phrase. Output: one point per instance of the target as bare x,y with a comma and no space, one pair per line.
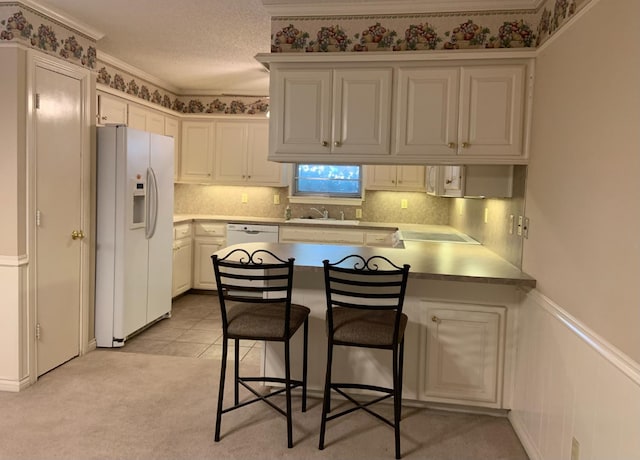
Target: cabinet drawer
326,235
181,231
210,229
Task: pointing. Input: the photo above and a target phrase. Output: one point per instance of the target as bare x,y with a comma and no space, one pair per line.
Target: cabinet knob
448,181
248,177
104,118
325,143
465,145
435,319
337,143
77,235
451,145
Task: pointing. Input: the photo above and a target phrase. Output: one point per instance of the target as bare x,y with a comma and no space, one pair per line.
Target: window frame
295,196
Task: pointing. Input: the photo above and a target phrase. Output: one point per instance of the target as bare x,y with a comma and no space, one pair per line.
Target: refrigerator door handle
152,203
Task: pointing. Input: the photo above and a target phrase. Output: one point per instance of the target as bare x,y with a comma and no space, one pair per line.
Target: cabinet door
111,110
182,266
463,353
492,111
362,111
427,112
203,277
196,155
301,111
145,119
452,180
410,178
261,171
230,152
172,128
381,177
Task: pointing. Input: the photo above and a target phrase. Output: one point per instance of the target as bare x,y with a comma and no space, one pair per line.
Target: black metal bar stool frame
254,290
364,309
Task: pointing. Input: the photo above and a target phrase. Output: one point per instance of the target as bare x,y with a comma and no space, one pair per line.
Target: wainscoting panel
570,383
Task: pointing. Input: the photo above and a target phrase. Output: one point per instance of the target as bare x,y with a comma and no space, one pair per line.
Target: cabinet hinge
38,331
37,101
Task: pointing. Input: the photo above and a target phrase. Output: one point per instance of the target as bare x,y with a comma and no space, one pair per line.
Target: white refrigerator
134,232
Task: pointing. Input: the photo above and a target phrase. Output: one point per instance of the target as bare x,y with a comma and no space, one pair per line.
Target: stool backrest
259,277
375,283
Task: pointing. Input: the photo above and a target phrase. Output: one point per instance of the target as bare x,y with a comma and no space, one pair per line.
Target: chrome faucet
324,213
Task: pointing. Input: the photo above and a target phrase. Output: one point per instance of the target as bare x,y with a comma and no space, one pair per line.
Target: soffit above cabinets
356,7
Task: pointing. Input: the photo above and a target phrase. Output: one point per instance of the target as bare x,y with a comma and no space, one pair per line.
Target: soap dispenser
287,213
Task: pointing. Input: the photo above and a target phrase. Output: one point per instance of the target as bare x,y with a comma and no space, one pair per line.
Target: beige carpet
109,405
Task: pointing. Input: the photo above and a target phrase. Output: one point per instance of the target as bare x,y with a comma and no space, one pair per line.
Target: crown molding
115,62
385,7
63,18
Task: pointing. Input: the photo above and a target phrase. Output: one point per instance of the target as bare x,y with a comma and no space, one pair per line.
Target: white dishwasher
251,233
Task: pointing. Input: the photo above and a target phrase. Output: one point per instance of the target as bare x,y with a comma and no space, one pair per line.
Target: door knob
77,235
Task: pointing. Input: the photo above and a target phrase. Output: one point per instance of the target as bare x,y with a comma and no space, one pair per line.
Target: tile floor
194,330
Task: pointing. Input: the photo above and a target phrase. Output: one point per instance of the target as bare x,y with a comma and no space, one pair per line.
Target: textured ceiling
208,46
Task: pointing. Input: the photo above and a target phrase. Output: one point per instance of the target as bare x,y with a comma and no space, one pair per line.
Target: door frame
36,60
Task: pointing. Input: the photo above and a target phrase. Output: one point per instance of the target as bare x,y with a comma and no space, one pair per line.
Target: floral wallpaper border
22,24
429,31
134,86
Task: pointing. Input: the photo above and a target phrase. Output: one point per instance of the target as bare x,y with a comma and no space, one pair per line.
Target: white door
301,110
492,111
427,123
411,178
230,152
261,171
196,155
58,201
160,244
362,111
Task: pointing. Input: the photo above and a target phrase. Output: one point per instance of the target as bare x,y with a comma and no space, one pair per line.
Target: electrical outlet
486,215
276,199
525,228
511,222
244,198
519,232
358,213
404,203
575,449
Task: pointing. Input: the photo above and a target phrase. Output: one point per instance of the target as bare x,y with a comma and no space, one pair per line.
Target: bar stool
254,290
364,309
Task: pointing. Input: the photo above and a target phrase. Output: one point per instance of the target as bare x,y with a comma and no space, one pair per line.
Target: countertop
436,261
429,260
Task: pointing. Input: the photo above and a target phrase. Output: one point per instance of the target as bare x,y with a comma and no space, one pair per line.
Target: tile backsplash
467,215
378,206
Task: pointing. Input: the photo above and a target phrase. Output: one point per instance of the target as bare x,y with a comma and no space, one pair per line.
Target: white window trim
323,199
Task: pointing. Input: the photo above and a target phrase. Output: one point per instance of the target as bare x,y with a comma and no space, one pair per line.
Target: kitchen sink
328,221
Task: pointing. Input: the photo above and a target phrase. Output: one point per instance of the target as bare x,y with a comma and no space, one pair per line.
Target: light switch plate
276,199
244,198
404,203
511,222
525,228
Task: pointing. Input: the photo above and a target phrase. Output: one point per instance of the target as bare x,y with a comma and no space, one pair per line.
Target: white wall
583,190
578,353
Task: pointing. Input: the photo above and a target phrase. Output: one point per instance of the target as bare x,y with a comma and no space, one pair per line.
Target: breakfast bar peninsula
462,302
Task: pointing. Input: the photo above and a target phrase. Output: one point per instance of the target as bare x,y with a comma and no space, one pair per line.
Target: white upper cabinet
467,112
196,155
145,119
172,128
111,110
391,177
427,121
330,114
241,150
491,121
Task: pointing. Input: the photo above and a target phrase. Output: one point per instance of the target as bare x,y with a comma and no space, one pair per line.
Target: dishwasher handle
252,232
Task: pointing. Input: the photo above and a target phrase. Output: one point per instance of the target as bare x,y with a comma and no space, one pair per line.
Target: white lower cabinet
332,235
182,258
461,353
209,238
